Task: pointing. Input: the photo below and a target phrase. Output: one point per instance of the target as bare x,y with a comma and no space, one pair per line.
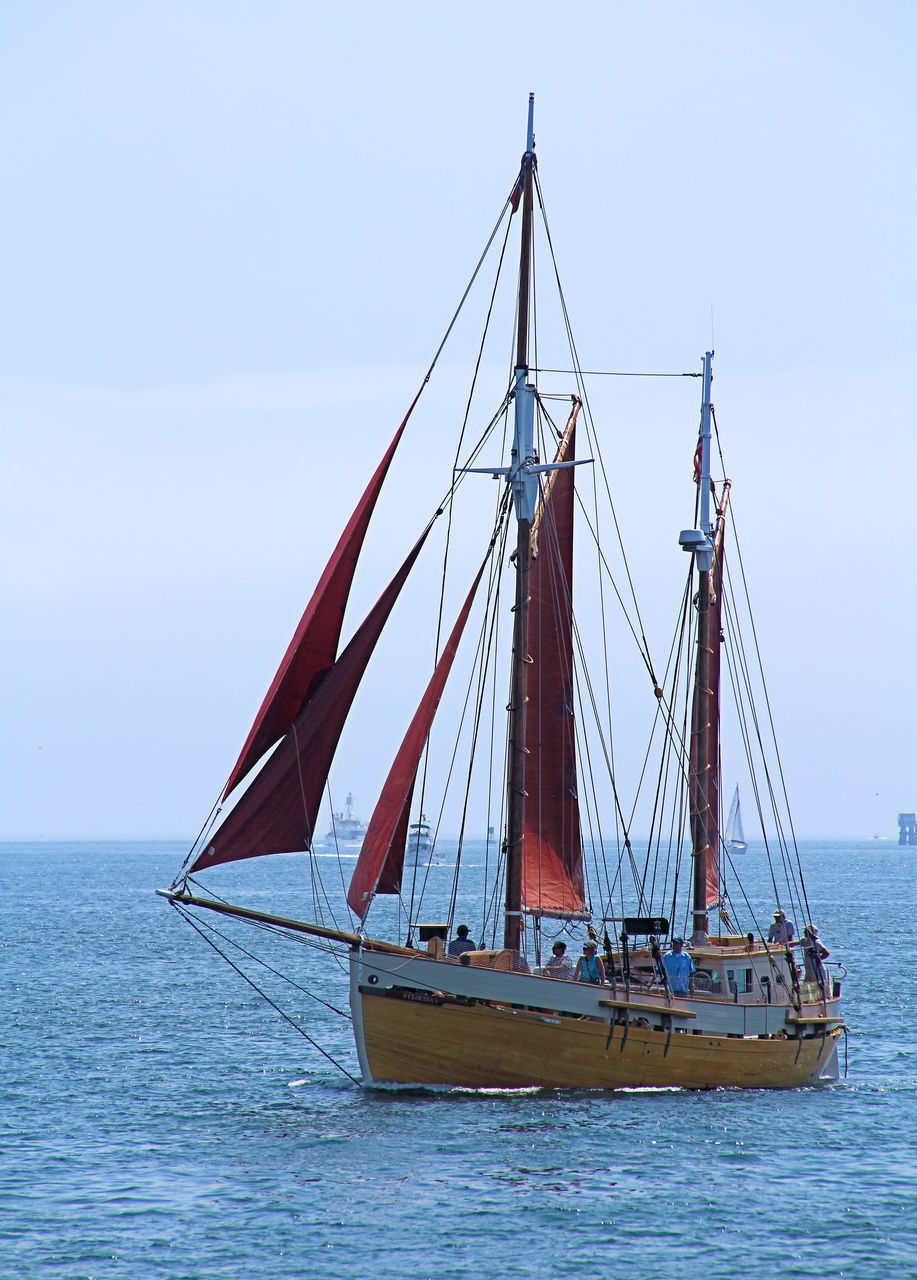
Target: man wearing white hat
782,930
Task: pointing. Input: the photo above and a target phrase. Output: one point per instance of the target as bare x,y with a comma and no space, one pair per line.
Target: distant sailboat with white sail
735,836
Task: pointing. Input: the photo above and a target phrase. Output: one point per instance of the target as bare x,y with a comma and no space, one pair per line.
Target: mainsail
705,726
381,859
313,649
277,813
552,869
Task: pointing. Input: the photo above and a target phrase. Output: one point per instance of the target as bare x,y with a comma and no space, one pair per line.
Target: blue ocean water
159,1120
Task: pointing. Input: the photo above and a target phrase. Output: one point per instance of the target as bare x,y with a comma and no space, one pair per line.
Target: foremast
706,543
524,483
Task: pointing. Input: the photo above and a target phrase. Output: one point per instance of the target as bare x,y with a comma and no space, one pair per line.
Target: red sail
390,876
379,865
314,645
552,865
278,811
713,858
705,731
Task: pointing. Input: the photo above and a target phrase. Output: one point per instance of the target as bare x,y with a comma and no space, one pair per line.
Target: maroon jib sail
314,645
277,813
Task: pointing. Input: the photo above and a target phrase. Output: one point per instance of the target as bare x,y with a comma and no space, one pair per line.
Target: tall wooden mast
704,766
524,484
704,770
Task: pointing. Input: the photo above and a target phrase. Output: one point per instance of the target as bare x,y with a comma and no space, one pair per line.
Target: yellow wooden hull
478,1046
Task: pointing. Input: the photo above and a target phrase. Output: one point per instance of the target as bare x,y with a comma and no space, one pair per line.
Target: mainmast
524,482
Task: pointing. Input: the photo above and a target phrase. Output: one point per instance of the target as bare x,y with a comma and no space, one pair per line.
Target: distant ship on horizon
345,828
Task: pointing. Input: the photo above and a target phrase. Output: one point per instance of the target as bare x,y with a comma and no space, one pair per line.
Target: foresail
552,869
393,867
381,859
313,649
278,811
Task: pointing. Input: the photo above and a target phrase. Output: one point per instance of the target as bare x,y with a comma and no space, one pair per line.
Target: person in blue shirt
679,968
460,944
589,967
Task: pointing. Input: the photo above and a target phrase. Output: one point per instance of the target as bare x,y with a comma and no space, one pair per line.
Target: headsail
277,813
552,868
381,859
313,648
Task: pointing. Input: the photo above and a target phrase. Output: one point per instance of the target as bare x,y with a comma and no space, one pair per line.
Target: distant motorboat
419,839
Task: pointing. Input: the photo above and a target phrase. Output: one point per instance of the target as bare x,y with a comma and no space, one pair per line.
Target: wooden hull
412,1042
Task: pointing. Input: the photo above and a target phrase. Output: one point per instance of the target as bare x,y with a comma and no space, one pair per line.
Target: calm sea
160,1120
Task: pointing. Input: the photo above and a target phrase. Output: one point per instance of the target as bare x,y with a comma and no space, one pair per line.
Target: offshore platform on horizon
907,828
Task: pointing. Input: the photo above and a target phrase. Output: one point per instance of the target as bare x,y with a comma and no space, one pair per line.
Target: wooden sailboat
491,1017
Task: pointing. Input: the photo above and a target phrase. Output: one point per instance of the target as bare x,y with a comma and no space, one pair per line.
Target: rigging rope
277,930
277,933
579,377
448,540
614,373
263,994
486,645
767,703
495,538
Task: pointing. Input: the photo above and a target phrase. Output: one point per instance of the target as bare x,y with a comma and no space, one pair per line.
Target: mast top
530,136
700,541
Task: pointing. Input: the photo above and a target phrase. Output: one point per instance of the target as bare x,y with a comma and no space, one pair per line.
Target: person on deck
679,968
558,966
460,943
589,967
782,930
813,953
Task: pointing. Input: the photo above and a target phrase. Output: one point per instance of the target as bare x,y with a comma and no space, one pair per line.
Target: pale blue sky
232,236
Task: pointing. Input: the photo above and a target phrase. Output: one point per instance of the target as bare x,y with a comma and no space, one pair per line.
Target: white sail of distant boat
735,836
